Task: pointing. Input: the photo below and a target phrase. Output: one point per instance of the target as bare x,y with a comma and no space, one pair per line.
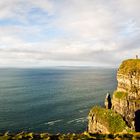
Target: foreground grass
83,136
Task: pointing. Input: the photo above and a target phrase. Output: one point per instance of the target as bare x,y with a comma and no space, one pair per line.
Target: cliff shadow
137,121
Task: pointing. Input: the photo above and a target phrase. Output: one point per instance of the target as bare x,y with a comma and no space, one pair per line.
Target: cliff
125,101
105,121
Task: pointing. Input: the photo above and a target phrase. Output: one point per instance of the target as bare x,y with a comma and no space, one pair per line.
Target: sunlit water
52,99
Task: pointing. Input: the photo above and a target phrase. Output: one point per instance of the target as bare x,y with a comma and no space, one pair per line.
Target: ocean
54,100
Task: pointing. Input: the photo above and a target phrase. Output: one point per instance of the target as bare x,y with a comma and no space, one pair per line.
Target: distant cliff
124,113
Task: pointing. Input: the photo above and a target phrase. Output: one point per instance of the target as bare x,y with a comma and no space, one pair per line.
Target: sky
43,33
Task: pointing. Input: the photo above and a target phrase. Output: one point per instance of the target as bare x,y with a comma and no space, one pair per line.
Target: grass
108,118
136,100
120,95
130,66
72,136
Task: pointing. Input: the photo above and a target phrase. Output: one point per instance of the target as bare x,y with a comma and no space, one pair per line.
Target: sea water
54,100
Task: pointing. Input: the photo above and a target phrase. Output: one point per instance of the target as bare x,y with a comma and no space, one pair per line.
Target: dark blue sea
54,100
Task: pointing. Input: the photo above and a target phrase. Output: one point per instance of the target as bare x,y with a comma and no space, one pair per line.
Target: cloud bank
68,32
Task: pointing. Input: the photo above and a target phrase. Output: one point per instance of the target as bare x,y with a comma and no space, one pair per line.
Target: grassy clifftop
129,66
108,118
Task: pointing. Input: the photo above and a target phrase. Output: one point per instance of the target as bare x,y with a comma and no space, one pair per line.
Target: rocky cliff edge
122,112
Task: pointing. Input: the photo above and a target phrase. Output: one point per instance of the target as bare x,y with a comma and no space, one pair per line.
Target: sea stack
124,114
108,103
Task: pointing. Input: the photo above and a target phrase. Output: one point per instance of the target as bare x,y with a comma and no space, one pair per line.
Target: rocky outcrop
108,103
125,100
95,123
105,121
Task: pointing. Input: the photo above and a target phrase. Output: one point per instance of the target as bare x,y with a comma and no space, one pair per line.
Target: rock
126,99
105,121
125,103
108,103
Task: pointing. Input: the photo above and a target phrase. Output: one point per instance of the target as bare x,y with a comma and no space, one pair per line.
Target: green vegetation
73,136
135,100
120,95
130,66
111,120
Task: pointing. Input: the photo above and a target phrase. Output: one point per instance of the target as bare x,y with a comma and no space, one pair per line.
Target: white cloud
85,32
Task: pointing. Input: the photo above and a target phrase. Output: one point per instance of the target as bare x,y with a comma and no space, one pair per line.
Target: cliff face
125,100
128,77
